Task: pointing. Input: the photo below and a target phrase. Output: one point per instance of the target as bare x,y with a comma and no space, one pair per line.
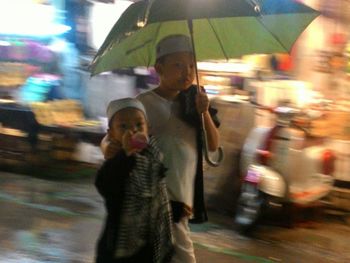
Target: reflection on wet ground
59,222
48,221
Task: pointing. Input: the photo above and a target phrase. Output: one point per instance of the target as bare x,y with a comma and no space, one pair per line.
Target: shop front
42,127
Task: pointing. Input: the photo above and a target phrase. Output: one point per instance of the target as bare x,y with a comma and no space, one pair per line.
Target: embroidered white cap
117,105
172,44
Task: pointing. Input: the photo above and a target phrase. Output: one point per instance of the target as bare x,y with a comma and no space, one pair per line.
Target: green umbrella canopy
222,29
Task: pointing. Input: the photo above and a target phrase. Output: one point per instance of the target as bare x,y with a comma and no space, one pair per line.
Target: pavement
59,221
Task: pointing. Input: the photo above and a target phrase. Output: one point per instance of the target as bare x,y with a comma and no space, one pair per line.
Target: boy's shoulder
145,94
153,104
149,96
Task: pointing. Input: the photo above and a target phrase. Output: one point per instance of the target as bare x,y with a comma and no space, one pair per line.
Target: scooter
282,166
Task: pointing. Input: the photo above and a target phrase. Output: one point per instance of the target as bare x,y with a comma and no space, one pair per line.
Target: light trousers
184,251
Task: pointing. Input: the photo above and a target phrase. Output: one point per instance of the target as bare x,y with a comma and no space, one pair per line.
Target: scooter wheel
249,211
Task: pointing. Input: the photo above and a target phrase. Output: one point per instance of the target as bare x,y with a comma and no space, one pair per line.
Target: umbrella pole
203,131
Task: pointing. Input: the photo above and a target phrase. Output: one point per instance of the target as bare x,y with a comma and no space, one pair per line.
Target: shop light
215,79
58,45
211,89
4,43
234,66
304,93
23,18
102,18
45,30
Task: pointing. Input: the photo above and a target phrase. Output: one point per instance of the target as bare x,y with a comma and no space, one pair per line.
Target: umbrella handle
204,133
218,161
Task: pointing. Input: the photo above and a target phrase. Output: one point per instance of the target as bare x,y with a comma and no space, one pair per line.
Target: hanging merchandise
12,74
17,50
40,87
4,49
39,52
26,30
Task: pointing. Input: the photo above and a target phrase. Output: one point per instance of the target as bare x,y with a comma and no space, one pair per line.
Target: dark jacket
191,116
110,183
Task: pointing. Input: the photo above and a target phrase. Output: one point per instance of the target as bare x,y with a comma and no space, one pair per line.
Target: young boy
173,110
132,183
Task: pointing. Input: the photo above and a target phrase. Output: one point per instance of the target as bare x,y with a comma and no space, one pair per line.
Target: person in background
173,109
138,226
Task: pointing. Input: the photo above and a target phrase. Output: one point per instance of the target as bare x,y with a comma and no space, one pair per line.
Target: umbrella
219,29
222,29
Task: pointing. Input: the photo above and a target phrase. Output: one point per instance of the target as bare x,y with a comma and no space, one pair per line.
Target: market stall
50,138
42,130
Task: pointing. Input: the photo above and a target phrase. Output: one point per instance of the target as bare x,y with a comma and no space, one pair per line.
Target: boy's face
176,71
129,119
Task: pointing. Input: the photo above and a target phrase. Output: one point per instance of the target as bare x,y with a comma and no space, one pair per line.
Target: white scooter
282,166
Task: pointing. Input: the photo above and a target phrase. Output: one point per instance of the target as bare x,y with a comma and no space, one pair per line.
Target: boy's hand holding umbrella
202,105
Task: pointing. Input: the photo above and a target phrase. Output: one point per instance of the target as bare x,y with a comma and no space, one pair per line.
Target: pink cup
139,141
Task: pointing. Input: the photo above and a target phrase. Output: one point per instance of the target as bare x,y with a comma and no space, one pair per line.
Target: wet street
59,221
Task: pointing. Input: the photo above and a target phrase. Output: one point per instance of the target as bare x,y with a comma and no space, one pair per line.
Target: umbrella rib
154,40
218,38
277,39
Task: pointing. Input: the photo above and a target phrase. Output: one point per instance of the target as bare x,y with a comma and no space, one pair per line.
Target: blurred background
52,112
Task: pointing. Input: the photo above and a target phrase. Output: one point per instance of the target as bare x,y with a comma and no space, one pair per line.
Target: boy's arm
213,136
104,144
111,176
109,149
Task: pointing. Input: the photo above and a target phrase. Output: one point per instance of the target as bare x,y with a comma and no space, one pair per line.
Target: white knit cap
172,44
117,105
